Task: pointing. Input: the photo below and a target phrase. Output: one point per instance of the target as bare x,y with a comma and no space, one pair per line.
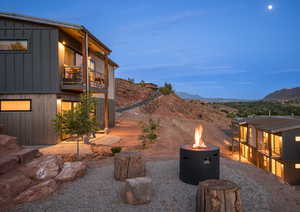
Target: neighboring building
44,67
273,144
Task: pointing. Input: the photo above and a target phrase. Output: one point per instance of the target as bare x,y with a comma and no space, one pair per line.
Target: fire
199,142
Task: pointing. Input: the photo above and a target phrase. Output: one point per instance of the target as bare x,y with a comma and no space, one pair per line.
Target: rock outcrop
39,191
44,168
70,171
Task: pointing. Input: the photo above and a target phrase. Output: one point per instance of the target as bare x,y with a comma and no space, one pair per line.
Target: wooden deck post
85,71
106,103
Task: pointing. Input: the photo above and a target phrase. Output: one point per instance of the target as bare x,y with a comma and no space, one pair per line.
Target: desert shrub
224,111
130,80
150,131
116,149
166,89
142,83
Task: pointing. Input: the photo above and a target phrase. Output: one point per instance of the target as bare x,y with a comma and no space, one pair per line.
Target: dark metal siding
34,71
35,127
290,148
291,174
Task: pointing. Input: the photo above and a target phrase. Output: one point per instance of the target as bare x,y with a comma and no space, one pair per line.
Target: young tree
80,121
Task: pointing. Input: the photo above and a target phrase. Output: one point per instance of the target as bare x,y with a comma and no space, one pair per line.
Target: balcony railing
72,79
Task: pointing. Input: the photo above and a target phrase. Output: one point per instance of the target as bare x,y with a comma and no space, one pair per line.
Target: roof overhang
75,30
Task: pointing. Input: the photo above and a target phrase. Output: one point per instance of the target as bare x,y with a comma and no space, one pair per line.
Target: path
98,191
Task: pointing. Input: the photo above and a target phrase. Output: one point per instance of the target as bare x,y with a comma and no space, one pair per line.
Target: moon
270,7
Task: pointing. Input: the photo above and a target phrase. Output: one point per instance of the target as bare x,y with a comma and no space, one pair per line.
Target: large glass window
276,142
10,105
13,45
243,133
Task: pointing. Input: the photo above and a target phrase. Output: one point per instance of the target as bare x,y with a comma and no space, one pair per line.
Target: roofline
53,23
278,130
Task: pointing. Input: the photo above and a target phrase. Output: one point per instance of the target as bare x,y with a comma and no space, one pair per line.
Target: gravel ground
98,191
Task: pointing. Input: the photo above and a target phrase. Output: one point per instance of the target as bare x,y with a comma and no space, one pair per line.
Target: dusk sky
214,48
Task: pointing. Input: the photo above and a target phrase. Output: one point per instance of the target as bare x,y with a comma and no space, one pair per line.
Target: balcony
72,80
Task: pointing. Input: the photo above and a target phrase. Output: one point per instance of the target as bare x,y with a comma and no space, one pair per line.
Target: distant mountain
185,95
284,94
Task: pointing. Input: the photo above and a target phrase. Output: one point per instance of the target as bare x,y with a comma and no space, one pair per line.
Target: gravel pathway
98,191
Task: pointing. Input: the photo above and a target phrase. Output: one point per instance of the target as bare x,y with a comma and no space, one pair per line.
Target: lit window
15,105
13,45
297,138
297,165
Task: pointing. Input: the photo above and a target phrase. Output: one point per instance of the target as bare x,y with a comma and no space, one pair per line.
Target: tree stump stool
129,165
218,196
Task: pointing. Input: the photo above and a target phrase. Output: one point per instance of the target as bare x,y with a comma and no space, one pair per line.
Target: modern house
44,67
273,144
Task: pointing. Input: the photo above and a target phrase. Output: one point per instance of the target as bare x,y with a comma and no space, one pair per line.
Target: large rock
13,184
26,155
38,191
8,163
8,144
70,171
44,168
129,165
137,190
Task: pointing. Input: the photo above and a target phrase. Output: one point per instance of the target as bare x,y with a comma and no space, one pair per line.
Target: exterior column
270,151
85,70
106,103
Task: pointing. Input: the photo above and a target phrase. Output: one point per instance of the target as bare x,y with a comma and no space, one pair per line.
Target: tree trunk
129,165
218,196
78,156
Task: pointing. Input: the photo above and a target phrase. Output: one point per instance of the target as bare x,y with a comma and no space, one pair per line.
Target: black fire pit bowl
199,164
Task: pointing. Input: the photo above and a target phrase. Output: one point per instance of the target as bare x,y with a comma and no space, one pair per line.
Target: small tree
166,89
80,121
130,80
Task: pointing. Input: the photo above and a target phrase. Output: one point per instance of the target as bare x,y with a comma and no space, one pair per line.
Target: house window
297,165
13,45
243,133
15,105
297,138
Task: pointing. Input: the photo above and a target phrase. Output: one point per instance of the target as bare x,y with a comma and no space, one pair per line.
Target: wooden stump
218,196
129,165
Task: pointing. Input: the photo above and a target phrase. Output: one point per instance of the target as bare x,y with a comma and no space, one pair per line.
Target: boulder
8,144
129,165
26,155
8,163
13,184
137,190
70,171
44,168
39,191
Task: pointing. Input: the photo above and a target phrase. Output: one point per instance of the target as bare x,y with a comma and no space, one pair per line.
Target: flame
199,142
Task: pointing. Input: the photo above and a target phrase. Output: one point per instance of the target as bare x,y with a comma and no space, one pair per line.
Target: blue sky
214,48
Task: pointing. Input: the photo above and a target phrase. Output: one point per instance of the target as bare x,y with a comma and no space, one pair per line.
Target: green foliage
116,149
166,89
130,80
245,109
79,121
150,131
142,83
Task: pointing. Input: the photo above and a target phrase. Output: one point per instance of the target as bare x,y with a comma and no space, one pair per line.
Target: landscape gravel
98,191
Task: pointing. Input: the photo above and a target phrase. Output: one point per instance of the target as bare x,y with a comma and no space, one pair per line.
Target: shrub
130,80
116,149
166,89
142,83
150,131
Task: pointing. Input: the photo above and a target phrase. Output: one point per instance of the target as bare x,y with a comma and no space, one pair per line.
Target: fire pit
198,162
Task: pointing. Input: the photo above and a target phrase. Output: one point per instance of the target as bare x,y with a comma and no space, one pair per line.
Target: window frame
28,50
13,111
